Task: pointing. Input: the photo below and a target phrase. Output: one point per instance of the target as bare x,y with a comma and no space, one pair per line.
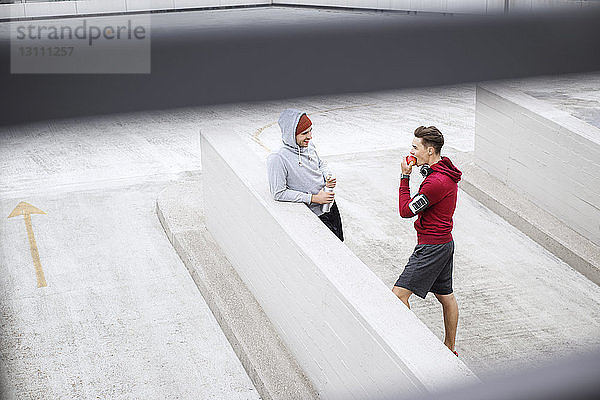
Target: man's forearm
404,199
293,196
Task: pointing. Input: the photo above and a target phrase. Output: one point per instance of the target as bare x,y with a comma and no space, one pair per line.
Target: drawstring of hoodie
308,155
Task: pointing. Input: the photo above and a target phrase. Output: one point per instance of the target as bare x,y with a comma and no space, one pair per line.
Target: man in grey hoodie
297,173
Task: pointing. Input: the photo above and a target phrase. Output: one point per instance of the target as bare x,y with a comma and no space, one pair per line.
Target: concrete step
271,367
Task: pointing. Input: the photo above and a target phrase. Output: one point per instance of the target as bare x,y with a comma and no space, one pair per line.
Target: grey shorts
429,269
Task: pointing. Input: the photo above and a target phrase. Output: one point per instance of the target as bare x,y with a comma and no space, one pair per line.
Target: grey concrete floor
120,317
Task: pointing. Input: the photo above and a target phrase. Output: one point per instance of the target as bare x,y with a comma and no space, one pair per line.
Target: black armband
418,203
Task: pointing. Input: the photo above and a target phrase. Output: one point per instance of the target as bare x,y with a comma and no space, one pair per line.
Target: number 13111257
45,51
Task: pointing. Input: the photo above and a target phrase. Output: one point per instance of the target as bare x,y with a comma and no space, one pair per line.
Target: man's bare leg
450,310
403,294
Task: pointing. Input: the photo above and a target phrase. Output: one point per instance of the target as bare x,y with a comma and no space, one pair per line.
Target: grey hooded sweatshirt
295,173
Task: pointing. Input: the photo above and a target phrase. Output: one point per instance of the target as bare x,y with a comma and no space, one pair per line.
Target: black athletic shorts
333,221
429,269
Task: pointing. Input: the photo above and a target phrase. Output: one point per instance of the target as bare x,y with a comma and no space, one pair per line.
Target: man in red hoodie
429,268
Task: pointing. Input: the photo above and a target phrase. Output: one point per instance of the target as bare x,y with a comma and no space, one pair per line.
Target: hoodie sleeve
278,183
404,199
430,188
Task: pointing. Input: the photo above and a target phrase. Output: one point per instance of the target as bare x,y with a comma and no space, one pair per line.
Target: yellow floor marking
256,135
26,209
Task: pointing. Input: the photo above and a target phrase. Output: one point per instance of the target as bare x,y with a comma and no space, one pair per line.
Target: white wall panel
12,11
50,9
145,5
179,4
101,6
467,6
494,6
400,5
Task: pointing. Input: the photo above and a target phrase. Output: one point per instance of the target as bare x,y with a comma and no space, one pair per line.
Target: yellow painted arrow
26,209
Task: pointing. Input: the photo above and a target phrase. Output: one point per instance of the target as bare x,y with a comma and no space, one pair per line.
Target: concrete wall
353,338
64,8
84,7
444,6
548,155
448,6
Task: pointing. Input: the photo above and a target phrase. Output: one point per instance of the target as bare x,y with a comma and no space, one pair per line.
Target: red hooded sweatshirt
434,223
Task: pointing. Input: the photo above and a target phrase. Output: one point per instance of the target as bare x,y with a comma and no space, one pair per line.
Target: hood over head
288,121
446,167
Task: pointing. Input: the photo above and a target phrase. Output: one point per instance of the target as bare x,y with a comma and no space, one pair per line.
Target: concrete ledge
348,332
268,363
544,153
541,226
